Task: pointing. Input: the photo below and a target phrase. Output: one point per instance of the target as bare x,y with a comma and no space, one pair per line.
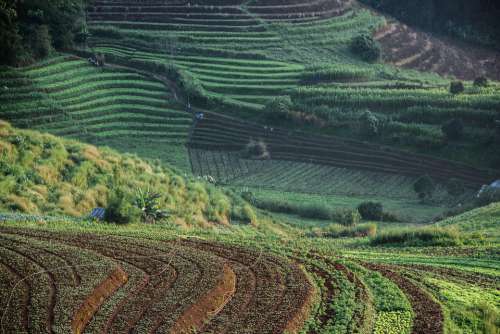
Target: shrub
453,129
339,231
256,150
481,82
424,187
426,236
120,209
371,211
245,214
316,211
366,47
347,217
279,104
457,87
455,187
368,124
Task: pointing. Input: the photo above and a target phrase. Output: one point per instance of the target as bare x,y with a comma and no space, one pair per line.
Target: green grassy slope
43,174
485,220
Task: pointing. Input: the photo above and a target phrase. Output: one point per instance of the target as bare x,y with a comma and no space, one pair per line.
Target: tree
457,87
371,211
366,48
369,124
424,187
278,108
481,82
453,129
10,40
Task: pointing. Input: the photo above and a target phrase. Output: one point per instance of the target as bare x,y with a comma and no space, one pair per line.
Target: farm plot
154,286
67,96
218,132
410,48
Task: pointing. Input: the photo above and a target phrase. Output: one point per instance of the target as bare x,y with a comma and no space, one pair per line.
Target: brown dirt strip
240,301
274,307
483,280
26,299
79,241
428,314
150,291
91,305
208,305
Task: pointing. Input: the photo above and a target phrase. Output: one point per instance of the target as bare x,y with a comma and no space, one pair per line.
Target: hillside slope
44,174
485,220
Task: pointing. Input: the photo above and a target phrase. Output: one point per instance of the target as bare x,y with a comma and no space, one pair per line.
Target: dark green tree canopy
30,29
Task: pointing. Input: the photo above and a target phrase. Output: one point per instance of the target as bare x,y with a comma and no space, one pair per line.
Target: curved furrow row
428,314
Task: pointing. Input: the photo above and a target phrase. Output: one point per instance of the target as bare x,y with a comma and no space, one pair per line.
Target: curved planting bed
85,283
219,132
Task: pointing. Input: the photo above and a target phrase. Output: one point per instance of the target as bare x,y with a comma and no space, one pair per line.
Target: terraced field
146,286
67,96
410,48
242,51
211,283
219,132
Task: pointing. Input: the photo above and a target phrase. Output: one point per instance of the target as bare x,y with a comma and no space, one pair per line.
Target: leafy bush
427,236
340,231
453,129
245,214
120,209
347,217
424,187
316,211
366,48
256,150
481,82
279,104
457,87
371,211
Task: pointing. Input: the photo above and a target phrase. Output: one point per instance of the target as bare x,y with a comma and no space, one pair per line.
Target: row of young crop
233,12
171,286
217,132
234,169
246,80
69,96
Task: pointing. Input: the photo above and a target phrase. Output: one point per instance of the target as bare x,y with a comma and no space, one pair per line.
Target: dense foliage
31,29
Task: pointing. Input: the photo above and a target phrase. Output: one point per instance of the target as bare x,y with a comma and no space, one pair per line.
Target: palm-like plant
147,202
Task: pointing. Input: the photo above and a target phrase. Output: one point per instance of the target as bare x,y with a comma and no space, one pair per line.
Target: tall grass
423,236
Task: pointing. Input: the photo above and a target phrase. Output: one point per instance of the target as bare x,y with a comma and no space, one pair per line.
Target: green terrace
68,96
